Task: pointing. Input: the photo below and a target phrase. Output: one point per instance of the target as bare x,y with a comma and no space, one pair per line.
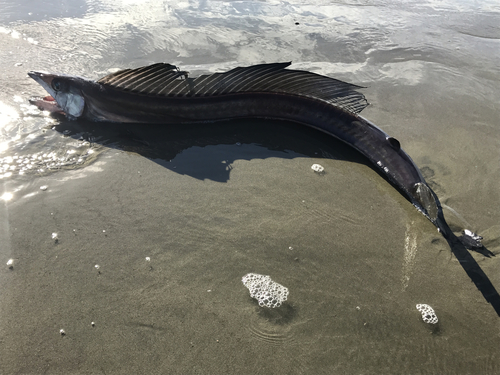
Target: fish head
65,93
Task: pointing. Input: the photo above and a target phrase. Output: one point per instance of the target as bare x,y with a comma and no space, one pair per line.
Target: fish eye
56,85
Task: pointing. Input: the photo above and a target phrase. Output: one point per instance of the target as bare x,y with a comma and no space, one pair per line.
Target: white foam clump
267,292
428,314
317,168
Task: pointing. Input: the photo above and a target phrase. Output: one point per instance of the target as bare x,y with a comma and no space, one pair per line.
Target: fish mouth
47,103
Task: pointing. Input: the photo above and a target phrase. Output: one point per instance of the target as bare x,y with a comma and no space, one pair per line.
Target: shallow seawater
156,225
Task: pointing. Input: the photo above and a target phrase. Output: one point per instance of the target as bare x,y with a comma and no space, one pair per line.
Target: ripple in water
65,153
273,326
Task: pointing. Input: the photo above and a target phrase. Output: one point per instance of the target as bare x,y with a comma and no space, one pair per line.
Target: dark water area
133,239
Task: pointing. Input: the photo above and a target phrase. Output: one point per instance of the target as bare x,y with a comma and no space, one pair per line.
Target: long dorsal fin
166,80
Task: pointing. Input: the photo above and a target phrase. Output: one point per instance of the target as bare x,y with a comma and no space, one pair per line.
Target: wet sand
356,256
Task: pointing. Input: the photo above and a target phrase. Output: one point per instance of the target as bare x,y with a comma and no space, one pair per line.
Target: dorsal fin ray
167,80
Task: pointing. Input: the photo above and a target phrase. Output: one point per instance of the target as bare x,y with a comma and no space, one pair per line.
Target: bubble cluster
317,168
43,162
267,292
428,314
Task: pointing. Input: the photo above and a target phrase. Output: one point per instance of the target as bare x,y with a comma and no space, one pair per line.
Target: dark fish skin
80,97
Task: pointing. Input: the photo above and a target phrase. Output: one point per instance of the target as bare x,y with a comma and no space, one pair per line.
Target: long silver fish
161,93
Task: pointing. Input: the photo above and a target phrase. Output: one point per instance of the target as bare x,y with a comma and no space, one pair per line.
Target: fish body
161,93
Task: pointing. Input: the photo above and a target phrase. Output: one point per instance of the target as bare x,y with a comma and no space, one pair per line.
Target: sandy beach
354,278
133,239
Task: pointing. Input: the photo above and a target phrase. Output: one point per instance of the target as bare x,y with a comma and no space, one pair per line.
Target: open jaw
47,103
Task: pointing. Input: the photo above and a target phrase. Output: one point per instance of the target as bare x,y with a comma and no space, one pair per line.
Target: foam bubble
428,314
267,292
317,168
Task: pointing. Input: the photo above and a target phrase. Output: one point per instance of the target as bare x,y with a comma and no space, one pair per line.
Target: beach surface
122,248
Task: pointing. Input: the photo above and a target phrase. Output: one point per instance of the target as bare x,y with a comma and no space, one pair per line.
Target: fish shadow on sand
163,143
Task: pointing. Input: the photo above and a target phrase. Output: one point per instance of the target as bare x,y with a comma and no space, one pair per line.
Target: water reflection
7,116
27,11
7,196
